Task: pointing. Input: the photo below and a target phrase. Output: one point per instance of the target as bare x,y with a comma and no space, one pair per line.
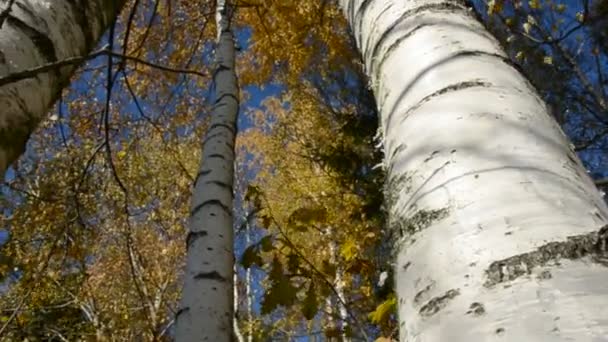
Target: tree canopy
94,214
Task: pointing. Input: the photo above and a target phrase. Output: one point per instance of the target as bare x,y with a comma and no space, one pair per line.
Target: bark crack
43,44
448,89
594,245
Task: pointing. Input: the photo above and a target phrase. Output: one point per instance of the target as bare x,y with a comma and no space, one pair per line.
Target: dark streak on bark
223,97
43,44
445,90
213,136
356,17
213,275
452,6
436,304
211,202
80,14
216,155
221,125
421,293
476,309
181,311
452,57
202,173
396,151
192,236
221,184
594,245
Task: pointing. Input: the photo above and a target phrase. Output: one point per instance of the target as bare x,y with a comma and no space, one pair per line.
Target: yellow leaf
561,8
534,4
349,250
121,154
494,6
548,60
580,16
519,55
527,27
384,310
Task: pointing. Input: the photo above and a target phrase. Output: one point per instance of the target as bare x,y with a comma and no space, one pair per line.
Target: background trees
103,190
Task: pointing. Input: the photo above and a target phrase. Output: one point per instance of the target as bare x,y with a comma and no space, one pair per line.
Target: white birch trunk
207,310
36,33
499,230
248,289
337,303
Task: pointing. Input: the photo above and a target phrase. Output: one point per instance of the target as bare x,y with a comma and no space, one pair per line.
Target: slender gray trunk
35,33
500,234
248,290
207,309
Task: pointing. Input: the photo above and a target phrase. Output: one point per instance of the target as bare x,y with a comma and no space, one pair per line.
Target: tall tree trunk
35,33
499,230
207,309
248,289
336,304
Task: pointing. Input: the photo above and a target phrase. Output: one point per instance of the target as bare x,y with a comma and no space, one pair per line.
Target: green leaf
281,291
252,192
310,305
251,257
266,243
293,263
265,220
384,310
301,217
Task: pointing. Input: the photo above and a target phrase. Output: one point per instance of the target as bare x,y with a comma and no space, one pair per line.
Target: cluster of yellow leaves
95,249
288,36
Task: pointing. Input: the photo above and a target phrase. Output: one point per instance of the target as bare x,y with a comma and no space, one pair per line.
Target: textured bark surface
499,229
207,310
36,33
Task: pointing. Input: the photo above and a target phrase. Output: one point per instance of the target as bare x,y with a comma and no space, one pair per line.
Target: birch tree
35,34
207,308
499,231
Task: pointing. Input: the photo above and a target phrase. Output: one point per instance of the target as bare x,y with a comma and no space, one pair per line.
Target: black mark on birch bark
450,58
192,236
212,202
476,309
213,275
593,245
221,125
451,6
445,90
181,311
223,185
41,41
436,304
420,295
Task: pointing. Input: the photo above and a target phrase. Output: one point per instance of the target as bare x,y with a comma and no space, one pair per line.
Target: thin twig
30,73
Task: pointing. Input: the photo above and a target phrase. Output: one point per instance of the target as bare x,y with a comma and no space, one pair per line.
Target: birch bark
499,231
35,33
207,309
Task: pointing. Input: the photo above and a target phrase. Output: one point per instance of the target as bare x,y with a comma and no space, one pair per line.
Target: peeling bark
207,303
37,33
498,228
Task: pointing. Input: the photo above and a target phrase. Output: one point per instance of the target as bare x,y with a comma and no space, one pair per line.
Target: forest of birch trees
311,170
